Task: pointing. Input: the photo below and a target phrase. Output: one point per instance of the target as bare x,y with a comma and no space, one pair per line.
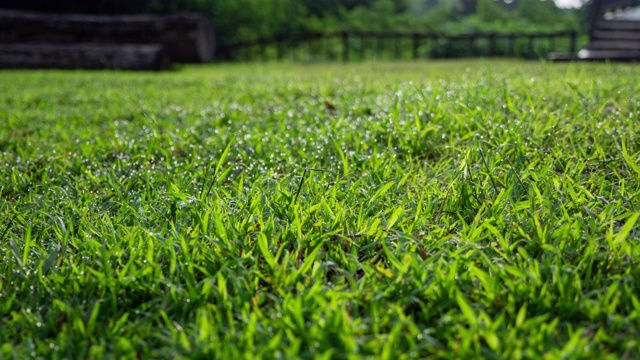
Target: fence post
472,40
280,47
313,43
345,46
263,51
396,46
492,44
325,48
512,44
295,50
573,36
416,44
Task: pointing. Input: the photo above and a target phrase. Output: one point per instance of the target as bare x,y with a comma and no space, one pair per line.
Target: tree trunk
84,56
186,37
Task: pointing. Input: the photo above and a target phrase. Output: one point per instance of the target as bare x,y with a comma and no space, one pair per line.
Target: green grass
440,209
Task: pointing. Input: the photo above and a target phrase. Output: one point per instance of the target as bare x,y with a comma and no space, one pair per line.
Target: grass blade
623,234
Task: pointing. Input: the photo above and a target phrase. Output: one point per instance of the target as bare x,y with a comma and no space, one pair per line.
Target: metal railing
363,45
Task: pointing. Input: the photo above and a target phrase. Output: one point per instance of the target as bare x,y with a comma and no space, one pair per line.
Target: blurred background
247,20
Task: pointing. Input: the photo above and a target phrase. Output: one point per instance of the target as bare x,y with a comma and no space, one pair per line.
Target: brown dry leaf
329,105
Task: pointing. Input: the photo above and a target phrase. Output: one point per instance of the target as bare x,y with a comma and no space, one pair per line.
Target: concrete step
618,25
624,45
621,55
616,35
595,55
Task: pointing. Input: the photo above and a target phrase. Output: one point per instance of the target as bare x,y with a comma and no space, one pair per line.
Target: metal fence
365,45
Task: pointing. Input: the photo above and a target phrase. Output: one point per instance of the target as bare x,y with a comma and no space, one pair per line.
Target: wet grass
450,210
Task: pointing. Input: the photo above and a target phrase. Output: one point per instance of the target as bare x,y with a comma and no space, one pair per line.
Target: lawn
463,209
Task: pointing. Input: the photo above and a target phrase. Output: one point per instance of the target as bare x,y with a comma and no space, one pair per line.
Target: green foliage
241,20
381,15
464,209
438,17
489,10
539,11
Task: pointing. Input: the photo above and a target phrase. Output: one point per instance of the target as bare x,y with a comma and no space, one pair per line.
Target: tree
490,10
466,7
539,11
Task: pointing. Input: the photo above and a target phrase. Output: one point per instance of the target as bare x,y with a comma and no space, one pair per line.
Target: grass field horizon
448,209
